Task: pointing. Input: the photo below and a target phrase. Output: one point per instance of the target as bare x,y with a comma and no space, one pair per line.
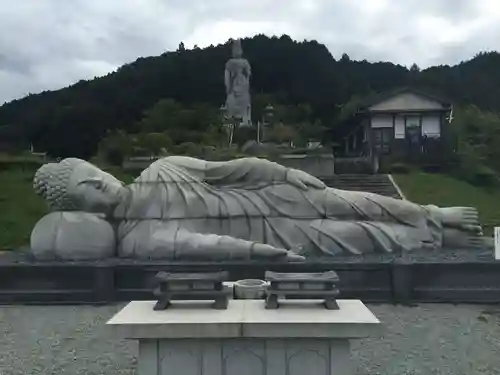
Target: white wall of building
381,121
399,127
431,126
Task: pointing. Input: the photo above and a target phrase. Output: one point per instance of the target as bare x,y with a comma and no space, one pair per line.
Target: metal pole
258,132
231,131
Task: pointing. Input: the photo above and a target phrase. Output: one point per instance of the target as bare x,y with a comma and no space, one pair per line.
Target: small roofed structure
404,124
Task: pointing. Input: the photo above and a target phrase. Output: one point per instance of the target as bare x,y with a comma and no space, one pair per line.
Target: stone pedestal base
245,357
299,338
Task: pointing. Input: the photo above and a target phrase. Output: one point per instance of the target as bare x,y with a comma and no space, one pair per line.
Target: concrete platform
297,338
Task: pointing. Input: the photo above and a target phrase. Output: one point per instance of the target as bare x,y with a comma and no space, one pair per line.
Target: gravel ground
428,339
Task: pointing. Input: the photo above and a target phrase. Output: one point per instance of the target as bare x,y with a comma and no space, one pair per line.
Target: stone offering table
246,339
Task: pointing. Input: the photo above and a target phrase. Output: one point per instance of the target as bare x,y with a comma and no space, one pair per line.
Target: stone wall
449,277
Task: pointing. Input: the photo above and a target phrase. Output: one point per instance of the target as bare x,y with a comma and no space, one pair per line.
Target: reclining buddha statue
182,208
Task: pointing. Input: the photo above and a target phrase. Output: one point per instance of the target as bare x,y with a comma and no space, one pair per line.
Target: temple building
404,124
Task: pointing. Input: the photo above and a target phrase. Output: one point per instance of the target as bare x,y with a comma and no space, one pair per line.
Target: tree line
178,94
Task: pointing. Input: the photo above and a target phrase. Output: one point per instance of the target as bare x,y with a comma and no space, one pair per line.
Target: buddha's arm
209,246
244,171
177,243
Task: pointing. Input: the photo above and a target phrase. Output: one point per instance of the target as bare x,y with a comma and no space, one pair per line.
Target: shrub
116,147
434,168
9,162
187,149
476,174
114,155
485,176
224,154
155,143
140,151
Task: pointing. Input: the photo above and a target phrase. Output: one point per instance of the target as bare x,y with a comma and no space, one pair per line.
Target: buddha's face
93,189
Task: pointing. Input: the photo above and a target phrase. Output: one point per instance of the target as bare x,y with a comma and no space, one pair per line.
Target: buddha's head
74,184
237,49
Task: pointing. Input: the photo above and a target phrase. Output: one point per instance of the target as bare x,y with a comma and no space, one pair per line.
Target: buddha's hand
260,250
303,180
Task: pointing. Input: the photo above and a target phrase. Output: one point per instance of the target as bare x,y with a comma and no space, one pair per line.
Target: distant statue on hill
181,208
237,81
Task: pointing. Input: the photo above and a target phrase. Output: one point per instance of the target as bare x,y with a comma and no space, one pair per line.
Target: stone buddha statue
182,208
237,80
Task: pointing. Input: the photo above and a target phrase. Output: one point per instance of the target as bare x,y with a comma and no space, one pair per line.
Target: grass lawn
20,208
442,190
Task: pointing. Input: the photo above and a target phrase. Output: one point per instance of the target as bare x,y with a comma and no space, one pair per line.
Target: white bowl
250,289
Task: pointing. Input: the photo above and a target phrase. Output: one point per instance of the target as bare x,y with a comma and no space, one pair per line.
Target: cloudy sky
48,44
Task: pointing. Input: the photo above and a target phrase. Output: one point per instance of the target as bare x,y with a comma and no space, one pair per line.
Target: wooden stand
191,286
302,286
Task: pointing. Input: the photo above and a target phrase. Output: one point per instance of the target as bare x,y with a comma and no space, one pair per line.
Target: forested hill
73,119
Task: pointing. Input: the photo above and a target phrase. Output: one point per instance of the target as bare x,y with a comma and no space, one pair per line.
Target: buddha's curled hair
51,183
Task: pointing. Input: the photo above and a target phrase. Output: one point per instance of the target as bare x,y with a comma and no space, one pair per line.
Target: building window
382,139
413,122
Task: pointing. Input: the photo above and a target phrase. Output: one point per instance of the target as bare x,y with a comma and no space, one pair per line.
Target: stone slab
245,319
183,319
309,319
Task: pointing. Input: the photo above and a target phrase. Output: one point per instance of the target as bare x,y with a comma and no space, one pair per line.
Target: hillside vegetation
72,121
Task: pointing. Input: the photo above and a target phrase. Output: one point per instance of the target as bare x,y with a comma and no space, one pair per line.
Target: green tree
163,116
476,134
414,68
116,146
215,136
311,131
282,133
72,121
355,103
155,143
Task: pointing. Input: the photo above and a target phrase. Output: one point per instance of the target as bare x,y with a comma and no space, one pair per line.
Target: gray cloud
50,44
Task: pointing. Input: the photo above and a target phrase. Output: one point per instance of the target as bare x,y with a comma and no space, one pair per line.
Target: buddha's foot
454,238
462,218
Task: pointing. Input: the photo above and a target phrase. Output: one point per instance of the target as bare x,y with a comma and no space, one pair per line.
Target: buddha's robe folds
184,208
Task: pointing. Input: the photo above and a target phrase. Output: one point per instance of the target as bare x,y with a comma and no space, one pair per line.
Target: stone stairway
373,183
